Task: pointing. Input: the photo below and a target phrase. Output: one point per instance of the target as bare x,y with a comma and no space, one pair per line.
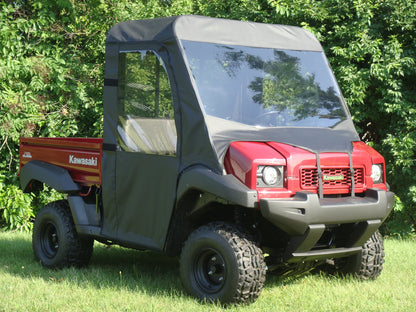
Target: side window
146,117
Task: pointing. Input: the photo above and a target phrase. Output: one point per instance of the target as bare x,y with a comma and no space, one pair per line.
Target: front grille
332,177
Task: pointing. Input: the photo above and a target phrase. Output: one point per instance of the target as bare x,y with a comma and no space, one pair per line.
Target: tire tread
250,259
77,250
367,264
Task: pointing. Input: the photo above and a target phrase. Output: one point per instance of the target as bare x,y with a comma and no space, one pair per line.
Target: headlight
270,176
377,174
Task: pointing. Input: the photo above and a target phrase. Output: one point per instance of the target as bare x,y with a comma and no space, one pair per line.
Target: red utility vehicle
236,153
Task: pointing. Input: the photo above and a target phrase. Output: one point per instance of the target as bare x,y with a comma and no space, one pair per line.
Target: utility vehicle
226,143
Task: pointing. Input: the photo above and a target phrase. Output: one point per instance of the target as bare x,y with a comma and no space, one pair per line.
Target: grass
126,280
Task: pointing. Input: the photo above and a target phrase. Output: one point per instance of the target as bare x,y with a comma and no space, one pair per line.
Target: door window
146,116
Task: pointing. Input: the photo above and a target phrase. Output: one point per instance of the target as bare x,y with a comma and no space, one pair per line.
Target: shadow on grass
110,267
276,280
113,268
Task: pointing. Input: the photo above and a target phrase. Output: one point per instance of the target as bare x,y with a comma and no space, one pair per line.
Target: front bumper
305,217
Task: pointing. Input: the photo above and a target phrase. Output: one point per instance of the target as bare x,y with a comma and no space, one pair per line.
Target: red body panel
80,156
300,168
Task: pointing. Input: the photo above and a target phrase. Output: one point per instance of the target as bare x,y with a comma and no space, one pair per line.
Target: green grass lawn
126,280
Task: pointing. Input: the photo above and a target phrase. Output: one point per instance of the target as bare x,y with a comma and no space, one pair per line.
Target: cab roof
215,30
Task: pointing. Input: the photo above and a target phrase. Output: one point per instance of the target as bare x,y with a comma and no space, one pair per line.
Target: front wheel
366,264
221,263
55,242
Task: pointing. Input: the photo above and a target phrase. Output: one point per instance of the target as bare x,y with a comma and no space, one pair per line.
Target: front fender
226,187
56,177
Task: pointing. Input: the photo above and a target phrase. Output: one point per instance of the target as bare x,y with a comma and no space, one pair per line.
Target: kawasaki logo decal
83,161
333,177
27,155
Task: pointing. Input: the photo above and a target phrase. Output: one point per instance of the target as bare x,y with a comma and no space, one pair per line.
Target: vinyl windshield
265,87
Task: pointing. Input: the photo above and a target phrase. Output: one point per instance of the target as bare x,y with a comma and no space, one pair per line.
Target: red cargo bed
80,156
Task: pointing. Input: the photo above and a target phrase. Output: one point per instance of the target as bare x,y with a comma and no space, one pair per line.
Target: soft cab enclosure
273,84
204,57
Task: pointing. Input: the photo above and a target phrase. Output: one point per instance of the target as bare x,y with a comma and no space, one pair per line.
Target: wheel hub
210,270
50,240
216,270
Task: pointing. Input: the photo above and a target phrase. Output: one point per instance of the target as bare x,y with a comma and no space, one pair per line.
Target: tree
51,78
52,63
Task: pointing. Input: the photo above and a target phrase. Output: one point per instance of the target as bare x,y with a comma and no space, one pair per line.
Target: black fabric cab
179,90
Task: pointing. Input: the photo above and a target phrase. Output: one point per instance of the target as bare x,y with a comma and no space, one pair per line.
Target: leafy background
52,63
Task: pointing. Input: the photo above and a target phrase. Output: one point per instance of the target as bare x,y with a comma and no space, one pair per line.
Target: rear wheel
221,263
55,241
368,263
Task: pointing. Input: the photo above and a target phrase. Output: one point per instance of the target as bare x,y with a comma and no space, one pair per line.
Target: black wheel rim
49,240
210,270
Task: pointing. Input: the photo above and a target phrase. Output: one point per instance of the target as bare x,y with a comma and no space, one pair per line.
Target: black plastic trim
226,187
324,254
56,177
294,215
300,247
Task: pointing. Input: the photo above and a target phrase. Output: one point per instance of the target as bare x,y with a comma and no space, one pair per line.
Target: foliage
52,64
51,74
16,213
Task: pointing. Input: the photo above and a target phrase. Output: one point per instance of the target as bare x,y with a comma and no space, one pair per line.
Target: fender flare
200,181
56,177
226,187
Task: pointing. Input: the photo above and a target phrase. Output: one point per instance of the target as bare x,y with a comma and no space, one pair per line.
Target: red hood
300,165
